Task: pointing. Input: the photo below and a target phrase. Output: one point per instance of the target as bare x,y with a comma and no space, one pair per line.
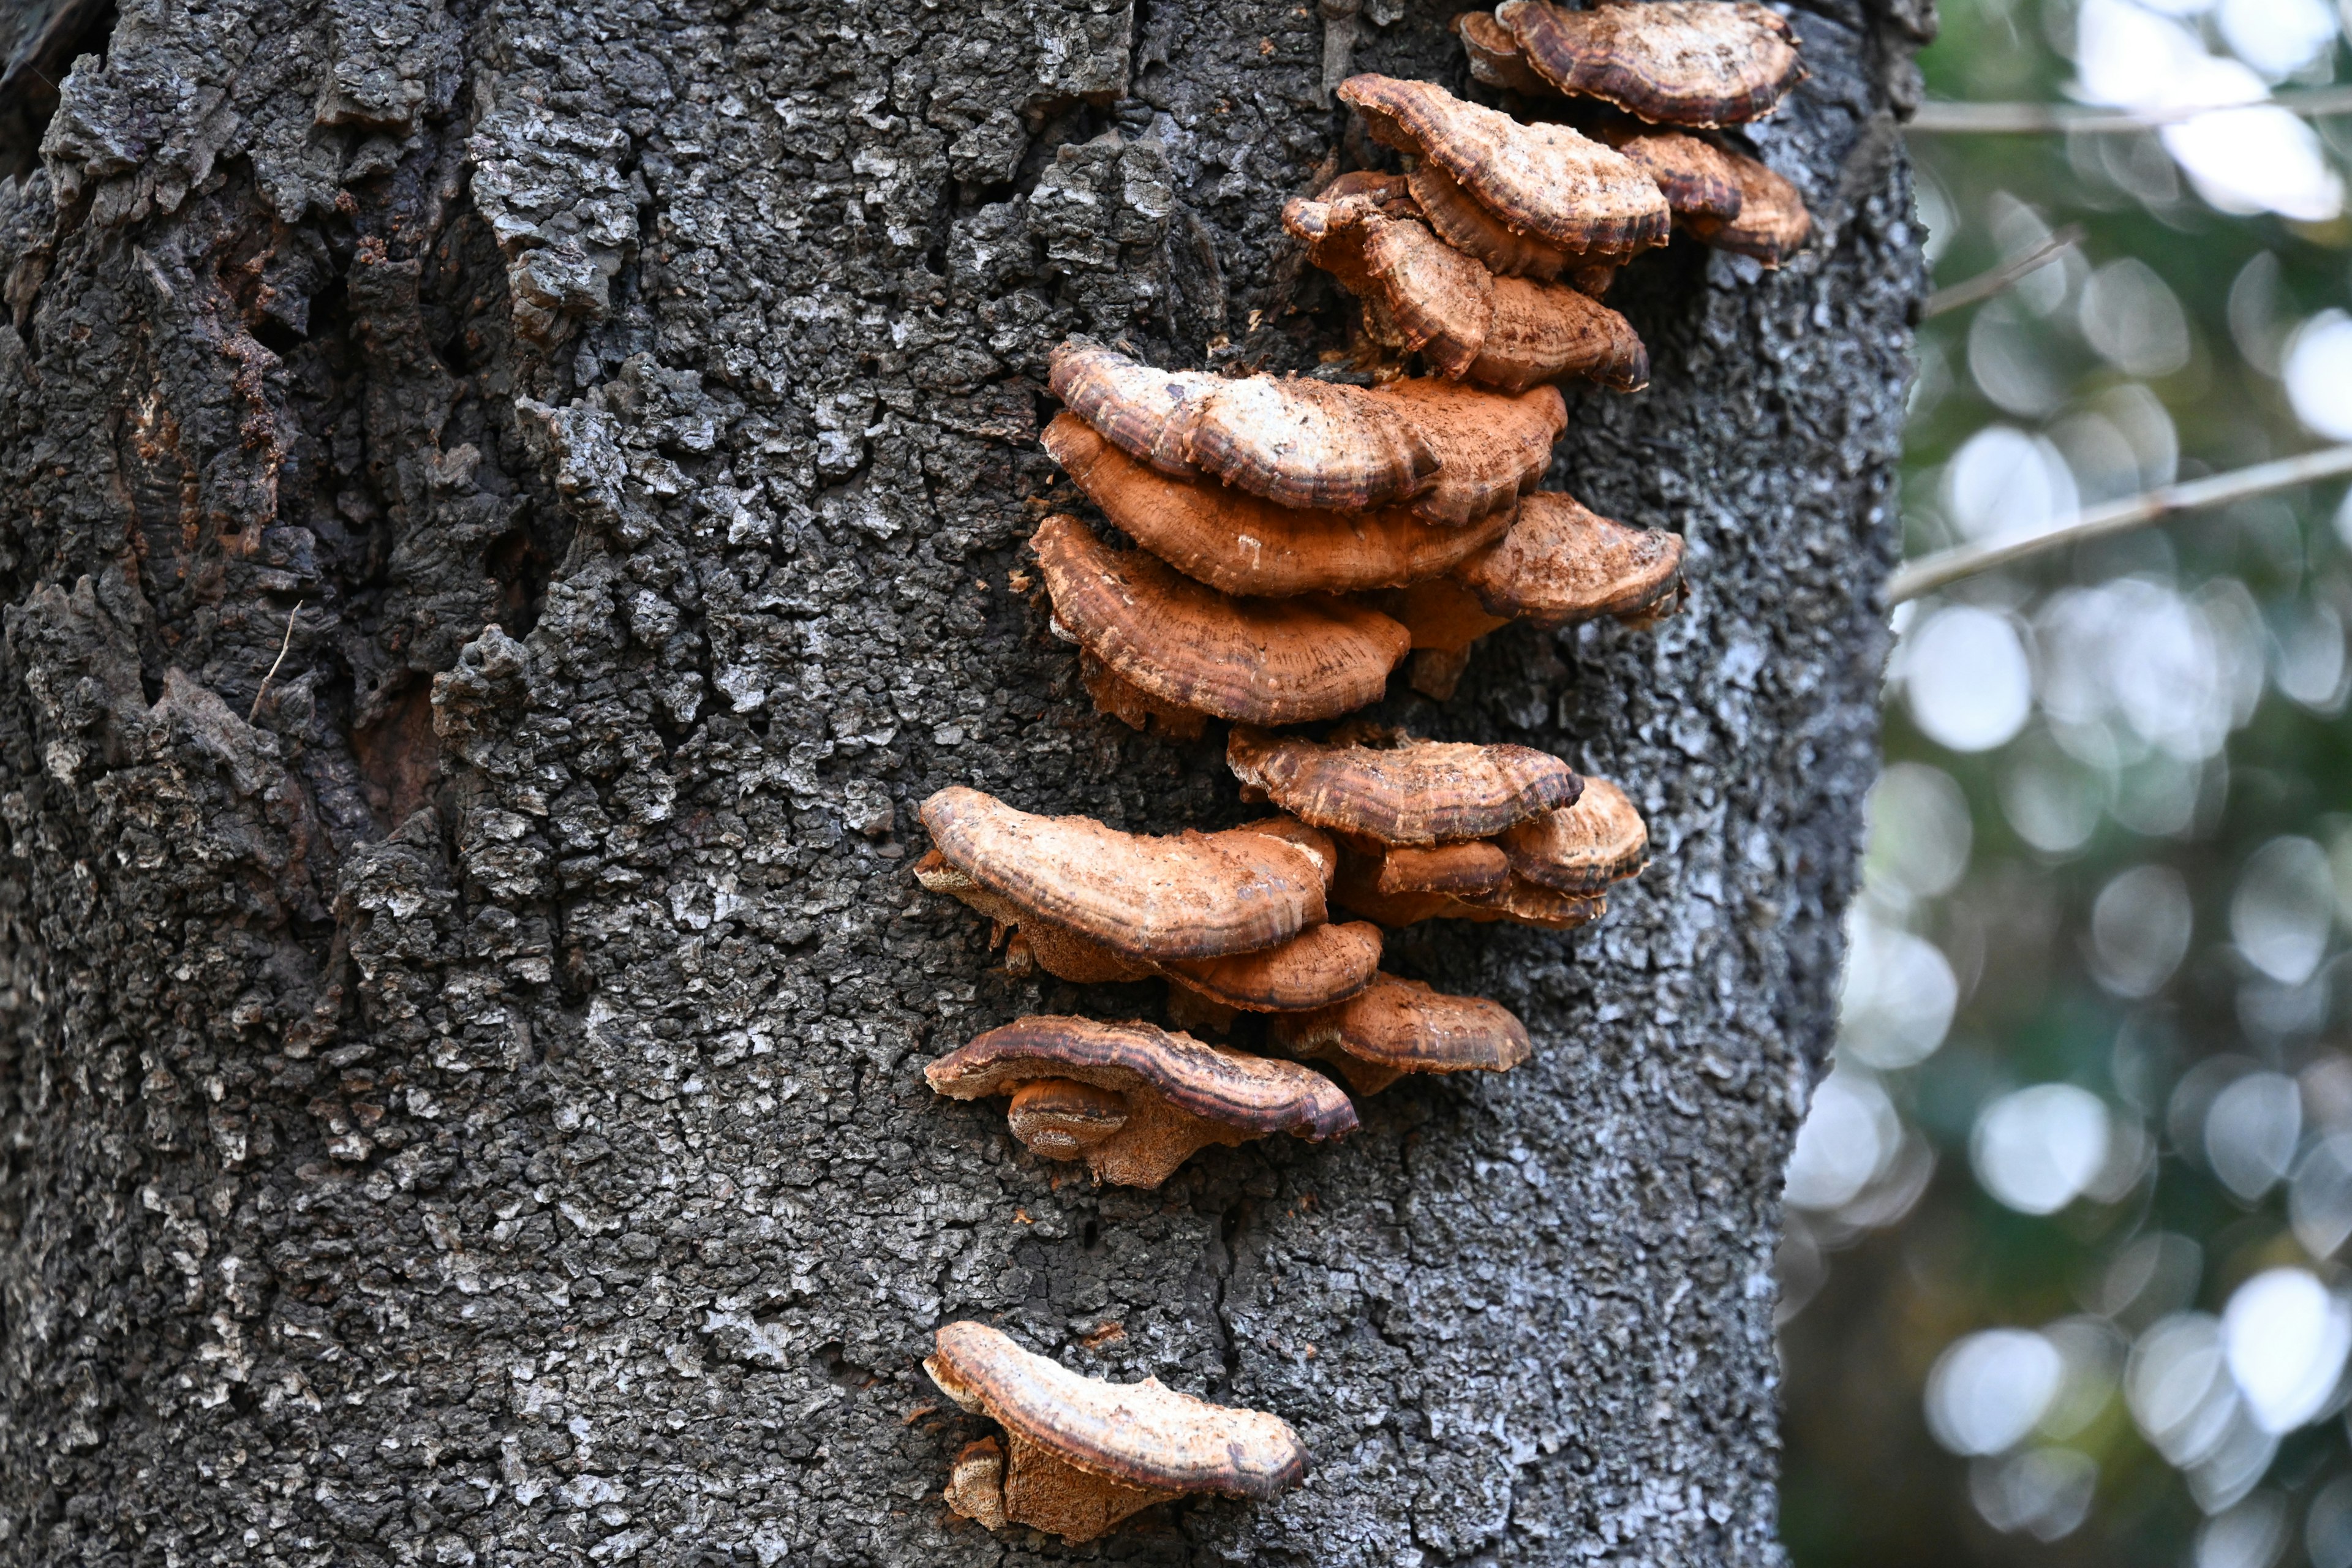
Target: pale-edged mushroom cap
1700,180
1583,848
1244,545
1129,401
1494,54
1458,219
1398,789
1182,1095
1495,445
1424,295
1671,62
1399,1026
1185,895
1562,563
1254,661
1305,443
1319,966
1772,225
1141,1435
1544,180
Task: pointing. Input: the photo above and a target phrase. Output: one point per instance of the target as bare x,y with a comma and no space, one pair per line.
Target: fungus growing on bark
1185,896
1179,1095
1772,225
1581,849
1244,545
1671,62
1321,965
1185,645
1387,785
1463,224
1562,563
1458,870
1700,180
1080,1454
1494,57
1495,445
1401,1027
1360,889
1542,180
1423,295
1297,443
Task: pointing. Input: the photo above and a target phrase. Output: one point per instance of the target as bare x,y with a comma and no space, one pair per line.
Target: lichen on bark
462,1099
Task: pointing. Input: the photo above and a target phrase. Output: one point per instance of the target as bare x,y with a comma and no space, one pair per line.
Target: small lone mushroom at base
1401,1027
1084,1453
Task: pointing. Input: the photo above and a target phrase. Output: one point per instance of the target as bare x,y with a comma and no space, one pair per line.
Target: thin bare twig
282,647
1986,285
1930,573
2042,118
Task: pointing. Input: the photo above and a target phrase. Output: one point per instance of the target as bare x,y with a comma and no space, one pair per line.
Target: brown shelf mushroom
1673,62
1193,650
1543,180
1080,1454
1494,57
1581,849
1772,225
1423,295
1360,890
1495,445
1296,442
1461,223
1401,1027
1244,545
1184,897
1387,785
1177,1095
1699,180
1321,965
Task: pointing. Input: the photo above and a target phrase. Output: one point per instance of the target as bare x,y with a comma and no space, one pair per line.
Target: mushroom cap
1583,848
1544,180
1252,1094
1244,545
1772,225
1321,965
1495,445
1562,563
1140,1434
1474,866
1521,902
1406,1025
1674,62
1189,895
1517,901
1400,790
1495,57
1542,332
1305,442
1468,228
1060,1116
1700,180
1255,661
1129,402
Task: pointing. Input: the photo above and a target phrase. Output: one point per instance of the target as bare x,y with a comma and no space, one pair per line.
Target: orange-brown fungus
1244,545
1254,661
1081,1454
1495,57
1671,62
1460,870
1358,890
1701,181
1185,896
1386,785
1322,965
1581,849
1543,180
1468,228
1772,225
1179,1095
1401,1027
1129,402
1423,295
1562,563
1495,445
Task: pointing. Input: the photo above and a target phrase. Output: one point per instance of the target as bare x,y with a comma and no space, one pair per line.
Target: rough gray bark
463,1103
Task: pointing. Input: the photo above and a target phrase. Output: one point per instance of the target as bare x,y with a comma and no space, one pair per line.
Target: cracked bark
472,1111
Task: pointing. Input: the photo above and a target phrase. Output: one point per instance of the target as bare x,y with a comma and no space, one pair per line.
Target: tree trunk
512,508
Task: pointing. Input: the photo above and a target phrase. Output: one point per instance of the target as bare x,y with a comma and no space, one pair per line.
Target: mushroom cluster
1289,543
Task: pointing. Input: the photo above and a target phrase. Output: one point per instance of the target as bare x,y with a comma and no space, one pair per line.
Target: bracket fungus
1494,57
1183,897
1458,220
1726,199
1772,225
1401,1027
1176,1095
1673,62
1384,785
1543,180
1581,849
1363,865
1131,403
1190,649
1423,295
1080,1454
1244,545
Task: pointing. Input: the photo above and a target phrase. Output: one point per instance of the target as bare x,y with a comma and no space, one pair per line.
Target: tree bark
511,508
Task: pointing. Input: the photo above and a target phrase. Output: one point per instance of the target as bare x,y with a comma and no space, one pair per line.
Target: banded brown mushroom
1134,1102
1401,1027
1725,199
1494,57
1163,649
1671,62
1244,545
1579,850
1547,180
1423,295
1080,1454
